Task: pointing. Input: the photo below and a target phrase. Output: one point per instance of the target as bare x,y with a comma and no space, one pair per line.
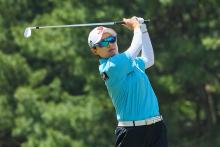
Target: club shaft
83,25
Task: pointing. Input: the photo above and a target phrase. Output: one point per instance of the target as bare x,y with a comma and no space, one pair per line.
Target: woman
139,121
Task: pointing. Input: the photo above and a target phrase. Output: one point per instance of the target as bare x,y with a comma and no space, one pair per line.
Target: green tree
51,93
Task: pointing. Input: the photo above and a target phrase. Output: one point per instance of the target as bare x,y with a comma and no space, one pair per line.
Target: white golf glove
143,26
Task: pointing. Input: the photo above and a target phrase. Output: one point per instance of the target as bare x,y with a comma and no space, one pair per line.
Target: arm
147,49
135,46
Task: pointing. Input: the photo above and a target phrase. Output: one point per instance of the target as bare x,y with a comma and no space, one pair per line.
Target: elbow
149,63
152,61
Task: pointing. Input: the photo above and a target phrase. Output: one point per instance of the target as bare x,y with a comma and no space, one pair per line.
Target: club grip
122,22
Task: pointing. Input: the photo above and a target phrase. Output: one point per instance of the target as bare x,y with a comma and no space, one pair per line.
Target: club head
27,32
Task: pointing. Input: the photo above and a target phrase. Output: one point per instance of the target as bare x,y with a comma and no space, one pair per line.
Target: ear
94,51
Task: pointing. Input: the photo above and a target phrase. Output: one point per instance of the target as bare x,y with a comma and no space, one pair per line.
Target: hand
131,23
140,20
143,26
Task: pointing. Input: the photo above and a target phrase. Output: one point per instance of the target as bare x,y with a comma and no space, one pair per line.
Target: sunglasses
105,42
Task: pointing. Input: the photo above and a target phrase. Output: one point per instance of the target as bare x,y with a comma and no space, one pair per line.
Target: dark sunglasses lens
110,39
103,44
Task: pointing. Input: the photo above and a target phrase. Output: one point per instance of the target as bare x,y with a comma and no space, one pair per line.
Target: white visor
96,34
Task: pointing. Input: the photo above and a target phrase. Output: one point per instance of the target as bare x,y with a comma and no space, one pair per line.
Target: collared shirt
129,87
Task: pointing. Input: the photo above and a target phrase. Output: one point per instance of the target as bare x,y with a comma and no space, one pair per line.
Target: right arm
123,62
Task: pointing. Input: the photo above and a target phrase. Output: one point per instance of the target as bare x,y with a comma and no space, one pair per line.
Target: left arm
147,49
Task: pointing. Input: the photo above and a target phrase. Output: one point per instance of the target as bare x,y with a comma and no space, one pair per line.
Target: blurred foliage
51,94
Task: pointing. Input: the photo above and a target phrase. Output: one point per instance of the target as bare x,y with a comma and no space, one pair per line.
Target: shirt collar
103,60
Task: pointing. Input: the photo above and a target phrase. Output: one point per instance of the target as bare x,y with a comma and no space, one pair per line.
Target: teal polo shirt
129,87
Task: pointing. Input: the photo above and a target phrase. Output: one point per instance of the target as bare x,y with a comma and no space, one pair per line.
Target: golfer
139,121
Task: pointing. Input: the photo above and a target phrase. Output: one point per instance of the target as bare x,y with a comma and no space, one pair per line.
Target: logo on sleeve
104,76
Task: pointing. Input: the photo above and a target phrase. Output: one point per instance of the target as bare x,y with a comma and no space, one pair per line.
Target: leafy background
51,94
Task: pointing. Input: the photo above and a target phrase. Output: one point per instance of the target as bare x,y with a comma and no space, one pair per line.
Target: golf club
27,32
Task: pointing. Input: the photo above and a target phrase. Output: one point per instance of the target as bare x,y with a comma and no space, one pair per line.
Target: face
106,51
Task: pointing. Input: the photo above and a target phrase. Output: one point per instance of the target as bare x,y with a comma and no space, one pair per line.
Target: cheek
113,45
102,51
116,46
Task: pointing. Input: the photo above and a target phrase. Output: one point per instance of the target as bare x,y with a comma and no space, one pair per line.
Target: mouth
111,50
